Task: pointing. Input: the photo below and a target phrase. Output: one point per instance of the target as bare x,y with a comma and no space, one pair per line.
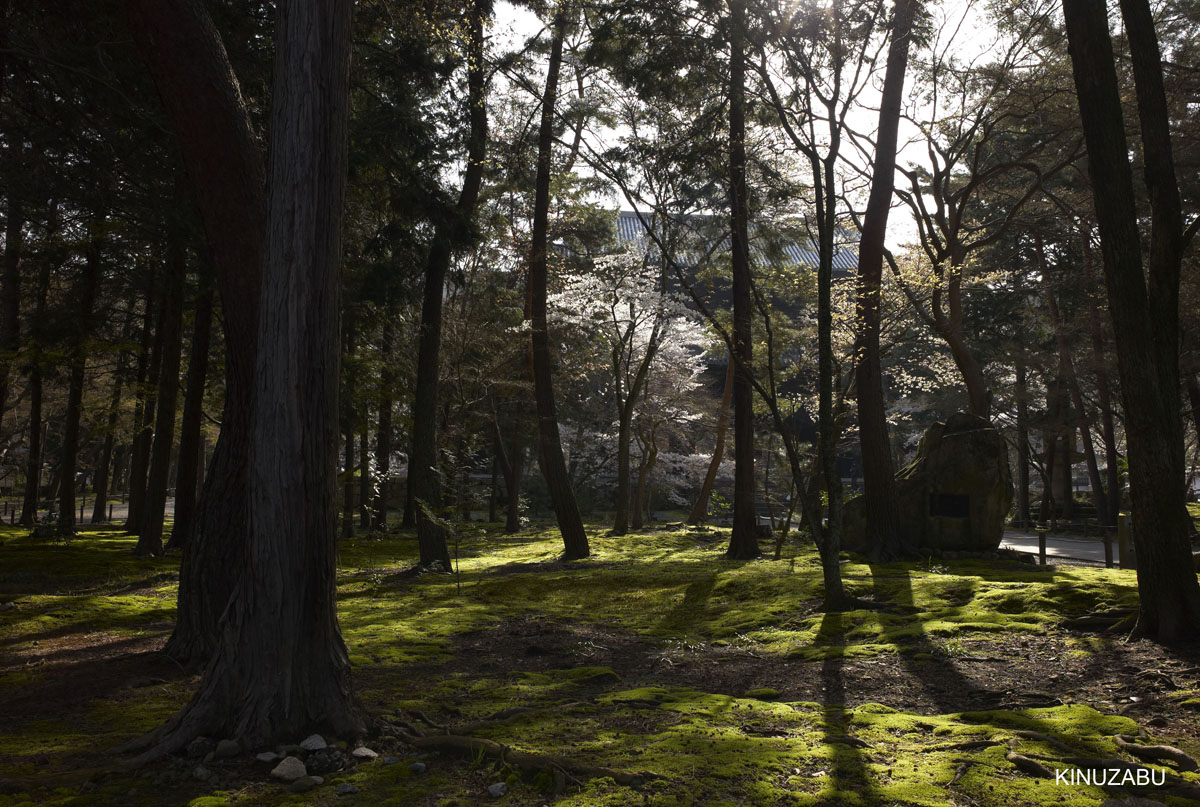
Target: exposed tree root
560,768
1156,753
1037,736
961,771
1029,766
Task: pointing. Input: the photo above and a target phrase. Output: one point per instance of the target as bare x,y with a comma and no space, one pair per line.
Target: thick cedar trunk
624,446
879,485
281,668
699,512
743,541
383,434
191,443
86,296
422,475
510,468
196,83
1022,395
566,510
1144,305
150,532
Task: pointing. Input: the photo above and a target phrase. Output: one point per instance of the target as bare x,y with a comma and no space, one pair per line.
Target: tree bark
566,510
351,334
149,370
743,541
191,444
10,287
33,465
150,532
195,81
1144,305
104,466
364,476
383,434
281,668
879,484
422,473
699,512
86,295
1024,517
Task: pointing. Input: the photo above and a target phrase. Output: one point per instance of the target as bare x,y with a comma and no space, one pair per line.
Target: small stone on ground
289,770
314,742
497,790
227,749
416,767
390,760
305,784
362,752
201,773
267,756
345,789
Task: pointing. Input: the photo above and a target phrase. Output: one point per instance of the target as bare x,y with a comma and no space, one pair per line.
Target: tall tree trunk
422,467
150,540
134,477
1108,432
1022,395
743,541
86,295
699,512
33,465
195,81
646,465
364,476
1144,305
1067,370
281,667
10,286
191,433
383,434
566,510
879,484
1068,447
348,402
104,466
143,438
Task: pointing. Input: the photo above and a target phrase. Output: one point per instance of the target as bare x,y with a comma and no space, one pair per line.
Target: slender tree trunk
566,510
86,295
422,475
104,466
281,668
641,503
1144,305
1049,459
879,485
1068,486
624,445
364,476
383,434
143,437
1108,432
348,426
10,285
699,512
743,541
1022,395
191,433
495,484
150,533
33,465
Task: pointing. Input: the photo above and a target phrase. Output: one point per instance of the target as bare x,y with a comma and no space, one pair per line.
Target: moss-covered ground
723,678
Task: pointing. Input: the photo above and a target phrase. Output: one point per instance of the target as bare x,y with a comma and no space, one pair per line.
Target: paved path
1057,546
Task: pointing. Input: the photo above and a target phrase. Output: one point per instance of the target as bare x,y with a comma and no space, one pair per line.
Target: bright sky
965,32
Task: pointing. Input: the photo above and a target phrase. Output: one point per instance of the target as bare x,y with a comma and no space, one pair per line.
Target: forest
599,403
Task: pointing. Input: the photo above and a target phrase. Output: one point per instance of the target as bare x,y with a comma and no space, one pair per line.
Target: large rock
954,495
